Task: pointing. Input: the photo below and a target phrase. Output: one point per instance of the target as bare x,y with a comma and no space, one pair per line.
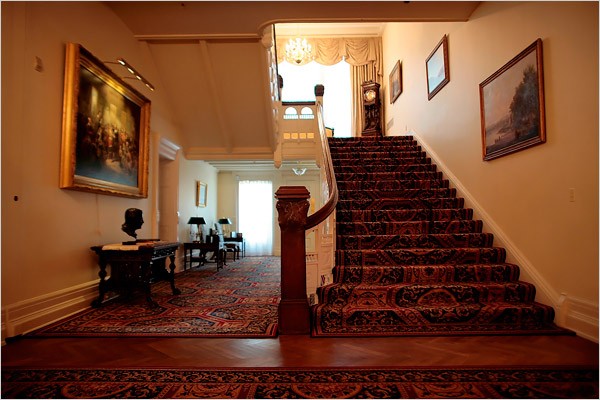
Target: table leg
102,285
172,274
146,284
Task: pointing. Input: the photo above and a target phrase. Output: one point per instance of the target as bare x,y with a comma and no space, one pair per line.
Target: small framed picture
512,105
396,82
201,189
438,68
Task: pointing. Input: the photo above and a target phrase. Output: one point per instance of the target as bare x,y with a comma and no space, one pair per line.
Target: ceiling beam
215,95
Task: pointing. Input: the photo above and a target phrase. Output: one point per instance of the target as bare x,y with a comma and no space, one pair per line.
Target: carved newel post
294,313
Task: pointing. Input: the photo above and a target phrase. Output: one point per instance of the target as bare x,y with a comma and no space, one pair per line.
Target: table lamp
197,221
224,221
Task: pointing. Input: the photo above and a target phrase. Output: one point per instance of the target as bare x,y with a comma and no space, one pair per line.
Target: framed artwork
396,82
105,130
438,68
512,105
200,194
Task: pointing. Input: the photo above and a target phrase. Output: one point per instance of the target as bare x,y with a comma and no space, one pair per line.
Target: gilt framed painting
105,130
437,67
512,105
201,192
396,82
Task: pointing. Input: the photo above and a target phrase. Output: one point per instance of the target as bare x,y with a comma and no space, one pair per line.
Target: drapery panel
363,54
330,51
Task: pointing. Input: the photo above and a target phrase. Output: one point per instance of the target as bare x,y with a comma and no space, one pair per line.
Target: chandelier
299,51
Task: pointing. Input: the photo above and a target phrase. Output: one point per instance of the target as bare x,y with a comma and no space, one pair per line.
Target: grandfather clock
371,109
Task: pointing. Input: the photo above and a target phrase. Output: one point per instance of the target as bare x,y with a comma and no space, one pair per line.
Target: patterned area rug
270,383
240,300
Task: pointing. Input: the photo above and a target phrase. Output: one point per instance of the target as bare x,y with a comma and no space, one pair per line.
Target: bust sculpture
133,221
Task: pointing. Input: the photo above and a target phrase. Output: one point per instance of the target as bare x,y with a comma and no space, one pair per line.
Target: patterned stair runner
410,259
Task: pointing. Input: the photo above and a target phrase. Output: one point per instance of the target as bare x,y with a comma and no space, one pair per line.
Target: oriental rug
239,300
313,383
410,259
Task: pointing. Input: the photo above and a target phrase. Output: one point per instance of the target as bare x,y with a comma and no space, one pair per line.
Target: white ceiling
218,88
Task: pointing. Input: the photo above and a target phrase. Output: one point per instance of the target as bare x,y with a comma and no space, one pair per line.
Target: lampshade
197,221
224,221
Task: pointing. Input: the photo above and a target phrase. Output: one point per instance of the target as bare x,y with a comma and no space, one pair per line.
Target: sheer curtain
255,207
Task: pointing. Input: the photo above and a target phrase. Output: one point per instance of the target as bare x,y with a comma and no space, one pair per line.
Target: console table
135,265
215,247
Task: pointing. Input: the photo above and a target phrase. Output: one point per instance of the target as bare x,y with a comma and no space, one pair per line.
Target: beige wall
525,195
47,233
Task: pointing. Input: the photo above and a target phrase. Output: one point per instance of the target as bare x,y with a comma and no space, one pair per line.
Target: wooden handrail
324,212
292,207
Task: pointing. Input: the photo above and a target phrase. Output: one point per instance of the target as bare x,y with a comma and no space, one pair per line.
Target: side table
132,265
203,248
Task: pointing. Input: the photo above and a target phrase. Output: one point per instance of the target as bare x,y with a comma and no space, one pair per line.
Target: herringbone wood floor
300,351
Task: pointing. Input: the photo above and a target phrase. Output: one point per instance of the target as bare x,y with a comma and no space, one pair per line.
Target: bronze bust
133,221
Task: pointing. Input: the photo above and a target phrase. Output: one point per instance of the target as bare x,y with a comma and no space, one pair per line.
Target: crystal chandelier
298,50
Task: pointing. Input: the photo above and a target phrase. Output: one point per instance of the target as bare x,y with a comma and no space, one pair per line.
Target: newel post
292,206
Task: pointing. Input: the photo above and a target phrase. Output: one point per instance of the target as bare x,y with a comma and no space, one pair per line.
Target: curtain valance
330,51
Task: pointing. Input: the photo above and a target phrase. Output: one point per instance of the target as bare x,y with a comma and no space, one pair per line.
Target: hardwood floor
300,351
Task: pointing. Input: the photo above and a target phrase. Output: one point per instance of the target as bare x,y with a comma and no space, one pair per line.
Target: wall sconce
197,221
132,71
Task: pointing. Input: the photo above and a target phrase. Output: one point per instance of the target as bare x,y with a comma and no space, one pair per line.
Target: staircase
410,259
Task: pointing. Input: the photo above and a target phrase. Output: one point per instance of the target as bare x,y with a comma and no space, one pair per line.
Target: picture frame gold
201,193
437,67
105,129
512,107
396,82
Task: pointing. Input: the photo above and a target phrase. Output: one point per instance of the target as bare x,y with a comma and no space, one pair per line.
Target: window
299,85
255,206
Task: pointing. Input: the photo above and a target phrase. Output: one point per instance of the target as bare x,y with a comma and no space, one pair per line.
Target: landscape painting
512,105
437,68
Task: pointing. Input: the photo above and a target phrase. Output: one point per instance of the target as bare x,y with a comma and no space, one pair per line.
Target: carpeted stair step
441,294
374,156
423,241
398,176
375,164
398,194
366,141
473,319
389,184
462,255
445,273
361,169
408,228
422,215
392,150
399,204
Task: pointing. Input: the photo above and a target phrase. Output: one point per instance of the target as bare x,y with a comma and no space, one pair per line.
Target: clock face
370,95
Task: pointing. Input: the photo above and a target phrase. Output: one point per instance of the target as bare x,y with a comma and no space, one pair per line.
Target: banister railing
292,207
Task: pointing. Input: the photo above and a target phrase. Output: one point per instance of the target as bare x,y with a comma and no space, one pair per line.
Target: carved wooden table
135,265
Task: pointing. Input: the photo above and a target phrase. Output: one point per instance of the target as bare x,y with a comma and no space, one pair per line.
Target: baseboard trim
581,316
31,314
575,314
